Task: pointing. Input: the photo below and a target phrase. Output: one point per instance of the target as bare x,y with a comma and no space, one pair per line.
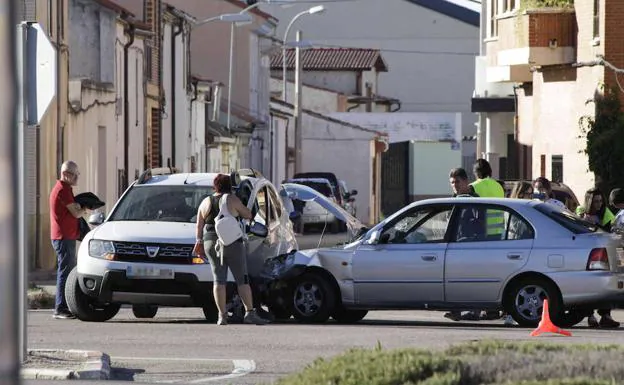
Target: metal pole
298,133
22,70
9,272
284,84
229,103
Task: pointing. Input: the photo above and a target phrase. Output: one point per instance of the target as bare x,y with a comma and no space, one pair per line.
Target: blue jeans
66,258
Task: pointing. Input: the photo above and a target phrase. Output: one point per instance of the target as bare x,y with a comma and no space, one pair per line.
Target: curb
95,367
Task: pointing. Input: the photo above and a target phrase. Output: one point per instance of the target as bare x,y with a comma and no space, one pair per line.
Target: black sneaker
63,315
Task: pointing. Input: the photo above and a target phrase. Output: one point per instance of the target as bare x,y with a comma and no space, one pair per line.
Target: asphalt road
178,346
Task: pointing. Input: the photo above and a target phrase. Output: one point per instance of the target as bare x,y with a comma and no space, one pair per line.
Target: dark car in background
561,192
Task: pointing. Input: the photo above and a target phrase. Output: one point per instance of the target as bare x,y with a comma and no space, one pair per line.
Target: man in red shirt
64,214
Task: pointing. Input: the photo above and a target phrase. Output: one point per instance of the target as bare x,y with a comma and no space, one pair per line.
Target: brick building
543,65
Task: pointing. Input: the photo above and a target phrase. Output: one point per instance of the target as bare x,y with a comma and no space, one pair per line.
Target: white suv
141,254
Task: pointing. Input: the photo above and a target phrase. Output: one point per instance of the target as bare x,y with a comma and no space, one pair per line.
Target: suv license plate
148,272
620,254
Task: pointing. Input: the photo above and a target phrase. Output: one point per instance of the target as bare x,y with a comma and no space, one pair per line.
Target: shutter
27,10
30,174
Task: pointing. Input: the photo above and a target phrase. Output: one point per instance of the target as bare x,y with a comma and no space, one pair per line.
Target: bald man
64,214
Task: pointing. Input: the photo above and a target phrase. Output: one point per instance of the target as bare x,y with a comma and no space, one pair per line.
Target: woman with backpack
224,246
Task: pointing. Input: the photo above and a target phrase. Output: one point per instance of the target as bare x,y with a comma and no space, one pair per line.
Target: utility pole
298,115
9,264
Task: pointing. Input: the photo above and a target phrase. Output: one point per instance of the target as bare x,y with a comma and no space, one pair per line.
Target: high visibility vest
495,219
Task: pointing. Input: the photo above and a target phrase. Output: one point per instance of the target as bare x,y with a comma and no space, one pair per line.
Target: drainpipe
159,39
174,34
59,130
516,132
129,30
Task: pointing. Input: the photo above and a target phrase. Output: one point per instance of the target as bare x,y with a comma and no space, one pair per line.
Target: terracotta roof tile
333,59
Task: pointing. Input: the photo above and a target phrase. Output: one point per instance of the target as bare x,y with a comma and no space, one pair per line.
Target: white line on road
241,367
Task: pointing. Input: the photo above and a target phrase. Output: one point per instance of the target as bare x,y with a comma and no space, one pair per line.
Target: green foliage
604,135
484,362
532,4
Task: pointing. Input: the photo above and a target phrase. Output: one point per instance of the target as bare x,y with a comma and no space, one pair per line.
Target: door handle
514,256
428,257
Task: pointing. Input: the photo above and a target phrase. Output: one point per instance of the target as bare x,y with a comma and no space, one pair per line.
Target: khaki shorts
233,256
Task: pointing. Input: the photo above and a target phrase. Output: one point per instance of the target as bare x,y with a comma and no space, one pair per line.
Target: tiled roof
332,59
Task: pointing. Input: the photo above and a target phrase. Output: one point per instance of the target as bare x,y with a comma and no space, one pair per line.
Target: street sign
41,72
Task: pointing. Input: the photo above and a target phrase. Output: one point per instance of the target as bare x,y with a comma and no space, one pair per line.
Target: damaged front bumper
282,267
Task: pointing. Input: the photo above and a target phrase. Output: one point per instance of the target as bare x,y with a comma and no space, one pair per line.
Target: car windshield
161,203
566,219
323,188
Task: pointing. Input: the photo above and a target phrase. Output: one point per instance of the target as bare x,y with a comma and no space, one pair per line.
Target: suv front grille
153,253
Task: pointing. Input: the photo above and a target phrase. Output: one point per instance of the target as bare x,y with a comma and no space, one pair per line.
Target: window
493,26
276,207
567,219
472,225
557,168
596,18
261,207
426,225
161,203
509,5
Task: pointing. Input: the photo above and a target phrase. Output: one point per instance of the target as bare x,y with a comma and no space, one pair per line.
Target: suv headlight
101,249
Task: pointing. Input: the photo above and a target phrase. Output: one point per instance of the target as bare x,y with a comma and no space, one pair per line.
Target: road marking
241,367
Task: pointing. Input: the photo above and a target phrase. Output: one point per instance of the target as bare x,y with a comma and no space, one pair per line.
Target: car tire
570,318
86,308
313,298
525,298
346,316
144,311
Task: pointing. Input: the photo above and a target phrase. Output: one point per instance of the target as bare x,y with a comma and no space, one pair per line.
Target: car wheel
86,308
525,300
144,311
313,299
346,316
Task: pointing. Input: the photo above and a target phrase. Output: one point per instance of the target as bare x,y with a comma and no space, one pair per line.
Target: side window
474,224
262,204
427,225
276,207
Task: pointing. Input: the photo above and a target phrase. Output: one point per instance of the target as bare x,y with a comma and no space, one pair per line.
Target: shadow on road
124,374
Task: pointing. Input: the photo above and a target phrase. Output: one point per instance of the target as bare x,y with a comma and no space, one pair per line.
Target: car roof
181,179
510,202
314,180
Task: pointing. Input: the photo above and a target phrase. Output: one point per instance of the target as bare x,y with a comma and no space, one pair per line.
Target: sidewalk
48,364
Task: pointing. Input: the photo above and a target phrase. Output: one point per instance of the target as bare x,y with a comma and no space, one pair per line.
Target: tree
604,134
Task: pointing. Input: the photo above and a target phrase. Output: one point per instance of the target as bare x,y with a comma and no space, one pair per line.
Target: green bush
485,362
531,4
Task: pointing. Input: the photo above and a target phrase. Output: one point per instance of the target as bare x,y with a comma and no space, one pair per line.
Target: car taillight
598,259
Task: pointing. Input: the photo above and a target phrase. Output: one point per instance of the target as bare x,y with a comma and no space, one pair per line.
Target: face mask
538,195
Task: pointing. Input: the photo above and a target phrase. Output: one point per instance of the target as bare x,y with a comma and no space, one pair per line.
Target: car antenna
187,176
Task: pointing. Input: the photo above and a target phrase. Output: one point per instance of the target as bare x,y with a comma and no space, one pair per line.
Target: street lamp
227,17
314,10
231,65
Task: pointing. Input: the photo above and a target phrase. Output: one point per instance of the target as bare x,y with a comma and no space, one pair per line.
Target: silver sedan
444,254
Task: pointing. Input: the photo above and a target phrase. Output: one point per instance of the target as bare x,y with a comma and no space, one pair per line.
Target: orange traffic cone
546,325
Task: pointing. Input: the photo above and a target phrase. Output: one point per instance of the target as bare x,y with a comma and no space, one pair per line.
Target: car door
477,266
406,265
258,248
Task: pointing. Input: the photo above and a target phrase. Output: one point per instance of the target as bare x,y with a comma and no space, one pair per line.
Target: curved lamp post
312,11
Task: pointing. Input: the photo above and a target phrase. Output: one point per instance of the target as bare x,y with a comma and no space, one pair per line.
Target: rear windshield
323,188
567,219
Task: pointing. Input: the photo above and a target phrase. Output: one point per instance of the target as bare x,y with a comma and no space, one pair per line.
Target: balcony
536,37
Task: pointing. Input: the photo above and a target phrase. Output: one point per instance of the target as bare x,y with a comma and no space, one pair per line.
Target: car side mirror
258,229
96,219
353,192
